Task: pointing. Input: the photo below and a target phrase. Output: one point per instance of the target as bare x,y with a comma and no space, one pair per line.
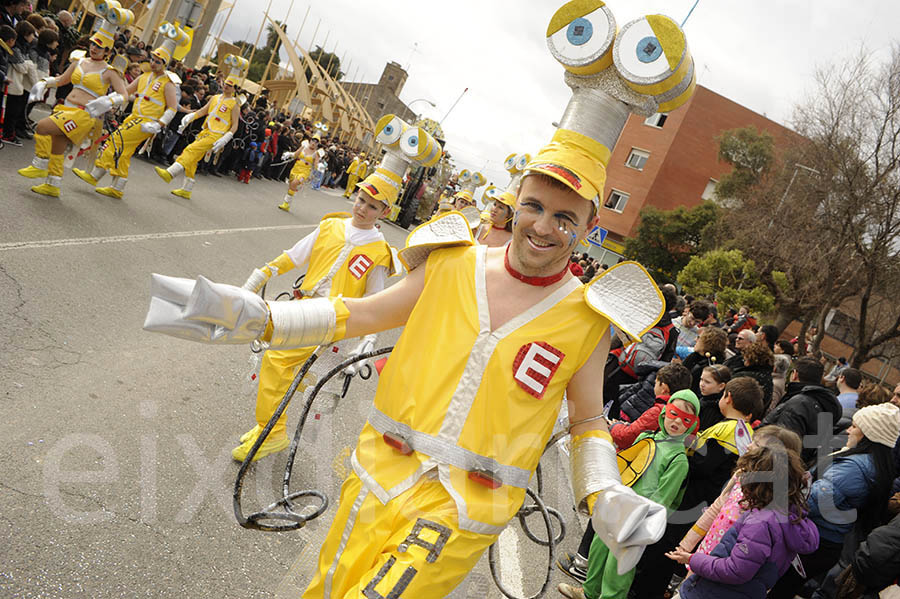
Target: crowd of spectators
746,378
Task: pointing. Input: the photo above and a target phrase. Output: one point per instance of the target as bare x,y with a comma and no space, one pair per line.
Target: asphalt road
116,474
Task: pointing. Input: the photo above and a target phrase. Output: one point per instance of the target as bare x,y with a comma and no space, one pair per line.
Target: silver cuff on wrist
256,280
594,468
304,323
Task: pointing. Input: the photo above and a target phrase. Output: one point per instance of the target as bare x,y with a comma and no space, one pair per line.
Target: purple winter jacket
754,553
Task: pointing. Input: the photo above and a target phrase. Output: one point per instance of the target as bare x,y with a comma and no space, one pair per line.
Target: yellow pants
411,548
301,170
276,373
124,141
352,180
195,152
75,123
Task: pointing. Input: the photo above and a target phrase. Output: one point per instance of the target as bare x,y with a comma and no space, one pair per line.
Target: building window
390,77
710,192
657,120
616,201
637,159
381,105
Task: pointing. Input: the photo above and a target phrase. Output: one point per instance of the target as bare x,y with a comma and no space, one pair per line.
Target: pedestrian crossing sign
597,236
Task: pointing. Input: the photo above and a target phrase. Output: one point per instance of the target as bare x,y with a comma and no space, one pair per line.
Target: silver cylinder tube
594,468
304,323
595,114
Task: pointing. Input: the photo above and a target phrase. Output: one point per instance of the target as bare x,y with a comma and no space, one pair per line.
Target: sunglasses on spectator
686,418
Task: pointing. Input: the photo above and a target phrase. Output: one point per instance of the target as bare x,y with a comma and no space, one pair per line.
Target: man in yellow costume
355,172
76,119
493,339
155,96
222,113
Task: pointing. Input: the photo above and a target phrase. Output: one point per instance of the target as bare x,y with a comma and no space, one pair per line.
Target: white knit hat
879,423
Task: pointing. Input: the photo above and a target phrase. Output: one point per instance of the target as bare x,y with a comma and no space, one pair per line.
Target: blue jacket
839,492
754,553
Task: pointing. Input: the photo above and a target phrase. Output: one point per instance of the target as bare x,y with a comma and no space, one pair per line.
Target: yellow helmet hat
403,145
173,36
237,67
645,67
112,17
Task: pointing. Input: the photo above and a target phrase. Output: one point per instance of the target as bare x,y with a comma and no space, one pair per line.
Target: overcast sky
760,53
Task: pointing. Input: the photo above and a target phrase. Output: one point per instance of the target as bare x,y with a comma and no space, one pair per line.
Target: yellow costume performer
468,182
341,258
307,157
222,113
500,204
457,430
155,102
355,172
76,119
343,261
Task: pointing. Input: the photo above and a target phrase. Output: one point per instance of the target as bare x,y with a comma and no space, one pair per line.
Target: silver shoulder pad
445,230
628,297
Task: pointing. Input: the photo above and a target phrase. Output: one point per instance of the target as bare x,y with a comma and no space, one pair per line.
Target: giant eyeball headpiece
236,69
403,145
645,67
321,130
468,183
515,164
172,37
112,18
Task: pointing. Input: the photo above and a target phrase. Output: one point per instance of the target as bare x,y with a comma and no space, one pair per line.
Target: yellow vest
337,267
219,118
465,398
150,97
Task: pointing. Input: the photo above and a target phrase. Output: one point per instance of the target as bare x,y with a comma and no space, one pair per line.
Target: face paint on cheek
516,216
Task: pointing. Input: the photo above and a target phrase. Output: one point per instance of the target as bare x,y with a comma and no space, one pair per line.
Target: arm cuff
167,117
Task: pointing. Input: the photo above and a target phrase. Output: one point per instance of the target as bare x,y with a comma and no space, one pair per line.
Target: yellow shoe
32,172
181,193
252,433
164,174
45,189
110,192
284,206
84,176
268,447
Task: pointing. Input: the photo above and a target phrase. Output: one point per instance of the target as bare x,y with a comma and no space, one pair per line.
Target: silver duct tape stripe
594,468
305,323
628,297
595,114
386,180
119,183
54,181
40,163
345,537
448,453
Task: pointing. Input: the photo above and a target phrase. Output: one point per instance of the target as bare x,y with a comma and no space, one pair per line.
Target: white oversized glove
151,127
103,104
185,121
40,88
627,523
366,345
287,156
205,311
221,142
256,280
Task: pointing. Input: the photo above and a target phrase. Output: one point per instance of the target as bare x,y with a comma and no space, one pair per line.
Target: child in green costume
660,481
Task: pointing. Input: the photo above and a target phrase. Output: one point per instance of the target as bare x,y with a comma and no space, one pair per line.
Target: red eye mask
686,417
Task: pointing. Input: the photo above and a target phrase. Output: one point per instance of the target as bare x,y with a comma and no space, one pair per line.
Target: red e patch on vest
359,265
534,366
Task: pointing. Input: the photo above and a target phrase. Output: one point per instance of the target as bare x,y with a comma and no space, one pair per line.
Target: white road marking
510,568
52,243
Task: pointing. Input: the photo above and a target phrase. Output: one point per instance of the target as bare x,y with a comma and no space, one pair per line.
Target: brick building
383,97
670,160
